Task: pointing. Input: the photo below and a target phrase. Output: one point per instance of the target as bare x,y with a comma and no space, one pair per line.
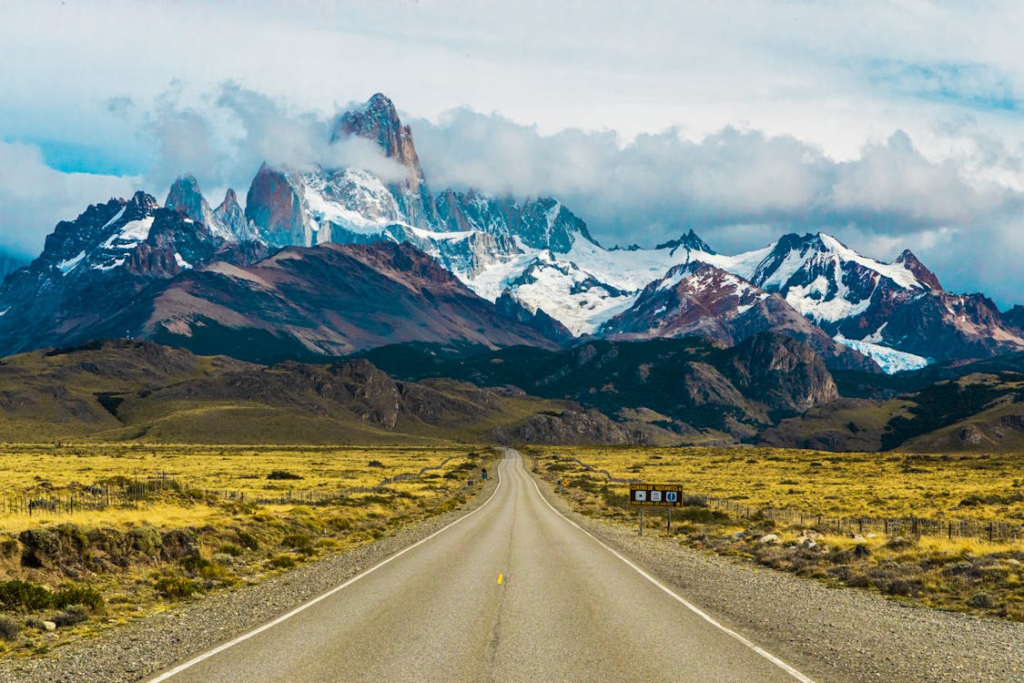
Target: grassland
29,469
961,574
960,486
205,532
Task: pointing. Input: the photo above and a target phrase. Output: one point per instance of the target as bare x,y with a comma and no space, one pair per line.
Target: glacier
890,360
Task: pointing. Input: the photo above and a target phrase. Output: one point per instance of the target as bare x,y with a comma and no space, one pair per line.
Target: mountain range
140,391
334,261
769,390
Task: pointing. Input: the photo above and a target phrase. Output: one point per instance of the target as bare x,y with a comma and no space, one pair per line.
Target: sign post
655,495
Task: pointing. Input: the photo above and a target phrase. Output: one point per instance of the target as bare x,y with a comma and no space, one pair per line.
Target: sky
891,125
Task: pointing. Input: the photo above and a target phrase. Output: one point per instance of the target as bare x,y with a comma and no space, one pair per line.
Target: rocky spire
186,198
276,205
231,216
378,120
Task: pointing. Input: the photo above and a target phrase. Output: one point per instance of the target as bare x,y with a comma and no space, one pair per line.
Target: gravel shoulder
830,634
136,651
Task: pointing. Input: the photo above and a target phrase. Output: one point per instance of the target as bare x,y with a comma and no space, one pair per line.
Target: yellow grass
238,540
37,469
963,574
923,546
45,471
162,515
838,484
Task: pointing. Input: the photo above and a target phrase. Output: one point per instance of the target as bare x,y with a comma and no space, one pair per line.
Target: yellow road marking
501,577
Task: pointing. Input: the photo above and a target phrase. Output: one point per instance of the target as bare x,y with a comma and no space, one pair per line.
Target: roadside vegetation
66,574
960,574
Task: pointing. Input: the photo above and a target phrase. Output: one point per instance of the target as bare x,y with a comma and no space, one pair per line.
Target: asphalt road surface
513,591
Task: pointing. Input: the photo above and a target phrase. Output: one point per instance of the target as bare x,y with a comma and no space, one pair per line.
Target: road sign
565,482
656,495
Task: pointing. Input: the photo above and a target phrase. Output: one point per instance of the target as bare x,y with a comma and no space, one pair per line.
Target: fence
895,526
130,493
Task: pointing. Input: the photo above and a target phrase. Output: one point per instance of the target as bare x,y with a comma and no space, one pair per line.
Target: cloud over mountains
735,186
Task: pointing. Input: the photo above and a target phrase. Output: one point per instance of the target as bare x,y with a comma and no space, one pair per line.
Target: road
514,591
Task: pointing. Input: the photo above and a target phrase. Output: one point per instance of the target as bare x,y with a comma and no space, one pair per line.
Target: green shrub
230,549
700,515
205,569
73,594
339,523
223,559
282,562
981,601
194,564
283,474
146,540
177,588
74,614
296,541
24,596
248,540
9,629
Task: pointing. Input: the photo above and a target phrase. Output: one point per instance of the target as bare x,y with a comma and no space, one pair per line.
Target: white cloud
740,189
224,137
660,183
35,197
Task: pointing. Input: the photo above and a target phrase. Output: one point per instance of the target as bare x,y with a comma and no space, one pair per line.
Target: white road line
303,607
683,601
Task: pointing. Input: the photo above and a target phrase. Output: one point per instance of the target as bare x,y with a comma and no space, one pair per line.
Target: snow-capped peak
689,242
794,254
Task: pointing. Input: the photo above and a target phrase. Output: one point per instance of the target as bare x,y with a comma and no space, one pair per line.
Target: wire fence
991,530
142,490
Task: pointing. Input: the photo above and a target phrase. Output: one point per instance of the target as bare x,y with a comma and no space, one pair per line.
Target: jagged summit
539,223
186,198
143,202
378,121
688,242
227,221
230,215
914,265
797,260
